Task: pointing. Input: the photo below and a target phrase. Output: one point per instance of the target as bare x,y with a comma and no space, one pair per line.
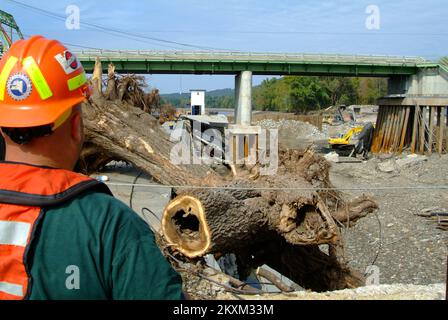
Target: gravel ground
381,292
406,248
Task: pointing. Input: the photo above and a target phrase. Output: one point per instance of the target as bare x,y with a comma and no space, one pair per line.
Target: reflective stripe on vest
24,192
16,225
10,289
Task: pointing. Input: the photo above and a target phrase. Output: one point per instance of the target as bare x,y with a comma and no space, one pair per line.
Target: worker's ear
77,126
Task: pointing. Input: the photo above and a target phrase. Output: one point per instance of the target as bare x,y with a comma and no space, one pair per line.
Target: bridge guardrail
253,56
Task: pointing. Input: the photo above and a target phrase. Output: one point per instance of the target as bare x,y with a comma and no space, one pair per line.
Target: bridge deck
183,62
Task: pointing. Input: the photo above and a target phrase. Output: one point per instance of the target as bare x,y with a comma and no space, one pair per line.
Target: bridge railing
252,56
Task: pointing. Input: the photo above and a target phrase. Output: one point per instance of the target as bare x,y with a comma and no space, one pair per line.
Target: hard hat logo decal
68,61
71,60
19,86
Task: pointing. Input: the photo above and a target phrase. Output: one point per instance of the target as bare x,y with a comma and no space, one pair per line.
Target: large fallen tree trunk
276,220
201,221
280,220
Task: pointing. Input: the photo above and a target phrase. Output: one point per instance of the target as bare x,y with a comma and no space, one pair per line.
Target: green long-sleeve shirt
95,247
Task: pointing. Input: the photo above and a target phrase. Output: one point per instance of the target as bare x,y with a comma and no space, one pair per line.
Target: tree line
183,101
298,94
303,94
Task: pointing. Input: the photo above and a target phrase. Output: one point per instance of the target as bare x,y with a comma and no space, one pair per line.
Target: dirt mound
302,130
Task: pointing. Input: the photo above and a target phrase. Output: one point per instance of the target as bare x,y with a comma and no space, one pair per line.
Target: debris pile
300,129
436,214
400,163
332,157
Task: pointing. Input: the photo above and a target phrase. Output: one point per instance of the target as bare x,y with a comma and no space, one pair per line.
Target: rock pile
302,130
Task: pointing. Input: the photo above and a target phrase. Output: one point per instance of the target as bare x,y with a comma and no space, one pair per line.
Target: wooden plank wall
422,129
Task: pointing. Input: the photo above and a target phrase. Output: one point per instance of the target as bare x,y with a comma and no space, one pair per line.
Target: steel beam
149,62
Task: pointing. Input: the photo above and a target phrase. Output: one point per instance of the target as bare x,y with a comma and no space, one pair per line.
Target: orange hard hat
40,81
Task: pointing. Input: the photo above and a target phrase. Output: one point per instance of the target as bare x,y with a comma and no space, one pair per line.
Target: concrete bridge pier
243,98
243,137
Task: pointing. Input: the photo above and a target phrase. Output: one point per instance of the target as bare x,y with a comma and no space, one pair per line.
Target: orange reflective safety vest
25,192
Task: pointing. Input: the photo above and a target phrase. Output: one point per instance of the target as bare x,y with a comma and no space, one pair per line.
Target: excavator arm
346,138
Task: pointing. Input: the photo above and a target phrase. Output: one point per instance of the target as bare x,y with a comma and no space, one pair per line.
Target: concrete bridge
184,62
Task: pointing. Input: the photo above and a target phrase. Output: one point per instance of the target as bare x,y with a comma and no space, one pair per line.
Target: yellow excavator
344,139
357,140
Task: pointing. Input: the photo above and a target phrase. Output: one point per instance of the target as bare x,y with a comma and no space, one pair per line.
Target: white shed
197,102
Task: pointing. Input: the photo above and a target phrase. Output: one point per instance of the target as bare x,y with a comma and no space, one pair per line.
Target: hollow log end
184,226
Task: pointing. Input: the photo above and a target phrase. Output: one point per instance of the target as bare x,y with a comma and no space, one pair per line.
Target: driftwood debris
261,272
282,220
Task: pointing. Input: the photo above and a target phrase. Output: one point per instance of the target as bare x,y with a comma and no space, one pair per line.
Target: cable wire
134,184
314,33
114,30
388,188
380,244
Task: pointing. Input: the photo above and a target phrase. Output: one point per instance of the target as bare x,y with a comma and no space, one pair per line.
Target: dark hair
26,135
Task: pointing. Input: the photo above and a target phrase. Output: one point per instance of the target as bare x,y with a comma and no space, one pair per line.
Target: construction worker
62,234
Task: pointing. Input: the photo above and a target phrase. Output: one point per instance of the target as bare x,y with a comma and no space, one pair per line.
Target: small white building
197,102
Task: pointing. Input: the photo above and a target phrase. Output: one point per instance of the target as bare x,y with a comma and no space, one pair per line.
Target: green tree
307,93
265,95
370,89
340,90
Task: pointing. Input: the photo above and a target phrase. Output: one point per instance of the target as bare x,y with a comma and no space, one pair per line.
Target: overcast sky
406,27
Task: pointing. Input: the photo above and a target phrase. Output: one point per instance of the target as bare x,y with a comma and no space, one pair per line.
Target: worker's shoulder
95,207
100,201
